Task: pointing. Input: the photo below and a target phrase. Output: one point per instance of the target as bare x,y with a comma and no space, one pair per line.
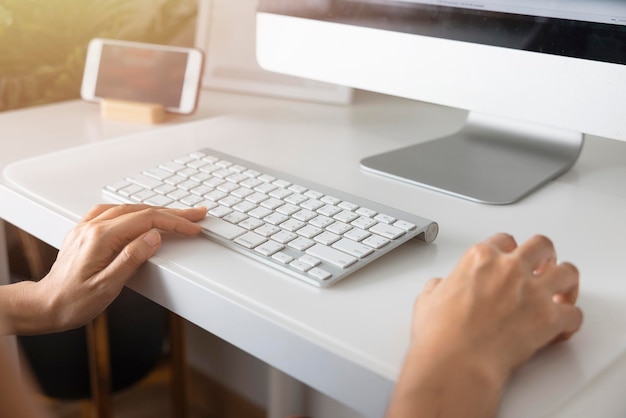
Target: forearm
26,309
16,388
451,386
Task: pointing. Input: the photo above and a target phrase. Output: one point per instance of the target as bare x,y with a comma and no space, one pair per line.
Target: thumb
135,254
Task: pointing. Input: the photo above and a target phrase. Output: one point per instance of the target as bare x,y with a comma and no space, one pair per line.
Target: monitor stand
490,160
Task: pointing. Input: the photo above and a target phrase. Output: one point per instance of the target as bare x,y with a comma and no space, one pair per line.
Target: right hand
500,305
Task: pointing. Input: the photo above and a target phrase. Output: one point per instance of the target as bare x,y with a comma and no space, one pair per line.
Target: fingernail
152,237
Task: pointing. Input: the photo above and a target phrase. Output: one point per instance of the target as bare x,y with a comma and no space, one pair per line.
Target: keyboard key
313,204
284,236
376,241
299,265
260,212
191,200
229,201
328,210
172,166
235,217
356,234
220,211
348,206
280,193
304,215
142,195
309,231
201,190
267,230
296,198
272,203
331,200
178,194
159,200
292,225
175,179
118,185
353,248
251,223
282,183
242,192
313,194
346,216
145,181
366,212
250,239
363,222
339,228
244,206
385,218
287,209
332,256
275,218
407,226
158,173
301,243
320,274
257,197
268,248
387,231
326,238
310,260
130,190
296,188
321,221
222,228
282,257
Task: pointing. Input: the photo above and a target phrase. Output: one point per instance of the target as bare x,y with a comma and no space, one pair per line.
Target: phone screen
141,74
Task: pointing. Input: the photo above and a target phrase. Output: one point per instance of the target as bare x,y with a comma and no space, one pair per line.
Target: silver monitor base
490,160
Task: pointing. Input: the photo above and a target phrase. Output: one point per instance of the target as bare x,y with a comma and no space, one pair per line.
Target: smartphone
136,71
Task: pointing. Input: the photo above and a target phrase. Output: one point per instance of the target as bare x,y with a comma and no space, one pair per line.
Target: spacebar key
220,227
332,256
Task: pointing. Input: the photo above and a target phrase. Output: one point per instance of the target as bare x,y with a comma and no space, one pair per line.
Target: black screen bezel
570,38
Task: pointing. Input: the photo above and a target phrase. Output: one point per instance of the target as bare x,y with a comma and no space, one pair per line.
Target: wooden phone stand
130,111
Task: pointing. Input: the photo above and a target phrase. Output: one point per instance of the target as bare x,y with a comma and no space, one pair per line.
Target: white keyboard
312,232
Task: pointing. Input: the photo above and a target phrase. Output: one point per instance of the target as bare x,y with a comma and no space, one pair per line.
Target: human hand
101,254
501,304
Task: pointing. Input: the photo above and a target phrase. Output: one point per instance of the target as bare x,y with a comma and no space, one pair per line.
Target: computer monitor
534,76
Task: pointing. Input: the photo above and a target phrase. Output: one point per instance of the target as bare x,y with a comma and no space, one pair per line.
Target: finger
538,252
562,280
116,211
97,211
571,321
131,225
503,242
192,214
135,254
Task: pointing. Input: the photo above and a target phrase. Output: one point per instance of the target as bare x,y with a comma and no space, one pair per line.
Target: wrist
25,308
447,383
50,303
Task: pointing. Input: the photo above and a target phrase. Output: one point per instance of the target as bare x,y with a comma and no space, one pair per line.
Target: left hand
100,255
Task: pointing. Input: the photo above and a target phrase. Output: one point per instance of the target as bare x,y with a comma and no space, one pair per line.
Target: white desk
347,341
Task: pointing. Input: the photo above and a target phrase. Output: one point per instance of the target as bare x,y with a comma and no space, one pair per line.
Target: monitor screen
532,74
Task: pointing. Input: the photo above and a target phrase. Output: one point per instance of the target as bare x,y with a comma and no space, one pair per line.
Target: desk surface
347,341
